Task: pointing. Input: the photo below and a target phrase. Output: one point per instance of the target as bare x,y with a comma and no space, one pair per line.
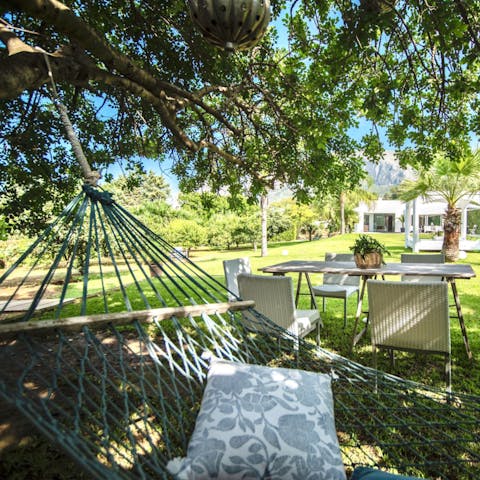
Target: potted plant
368,252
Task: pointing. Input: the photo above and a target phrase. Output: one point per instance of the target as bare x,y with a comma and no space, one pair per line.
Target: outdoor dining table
450,272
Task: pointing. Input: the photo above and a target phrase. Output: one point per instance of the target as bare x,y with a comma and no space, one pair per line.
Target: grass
427,369
32,460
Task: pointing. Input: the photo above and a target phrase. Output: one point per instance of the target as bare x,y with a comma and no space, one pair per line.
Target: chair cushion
367,473
306,320
336,291
262,422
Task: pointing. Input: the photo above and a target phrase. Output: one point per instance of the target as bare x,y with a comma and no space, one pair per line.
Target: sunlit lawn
424,368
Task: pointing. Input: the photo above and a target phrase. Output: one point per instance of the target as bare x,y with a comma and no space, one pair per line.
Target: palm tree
452,181
362,193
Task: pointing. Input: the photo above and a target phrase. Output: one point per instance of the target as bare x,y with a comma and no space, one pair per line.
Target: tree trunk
451,228
342,213
263,210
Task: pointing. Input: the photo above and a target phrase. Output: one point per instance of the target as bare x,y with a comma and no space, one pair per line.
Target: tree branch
135,79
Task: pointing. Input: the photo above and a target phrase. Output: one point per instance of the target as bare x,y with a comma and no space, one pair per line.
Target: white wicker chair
338,286
410,317
231,269
421,258
273,297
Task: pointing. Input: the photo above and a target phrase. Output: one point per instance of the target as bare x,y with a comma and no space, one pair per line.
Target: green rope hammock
106,360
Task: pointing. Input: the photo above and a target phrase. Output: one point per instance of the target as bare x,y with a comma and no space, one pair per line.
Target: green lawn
423,368
36,455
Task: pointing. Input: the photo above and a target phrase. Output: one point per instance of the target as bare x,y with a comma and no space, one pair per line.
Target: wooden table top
447,270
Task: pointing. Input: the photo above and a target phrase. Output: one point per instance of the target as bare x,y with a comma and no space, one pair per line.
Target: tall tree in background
145,195
138,187
333,207
264,224
203,205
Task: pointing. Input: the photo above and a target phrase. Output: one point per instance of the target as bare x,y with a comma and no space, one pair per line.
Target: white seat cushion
306,320
336,291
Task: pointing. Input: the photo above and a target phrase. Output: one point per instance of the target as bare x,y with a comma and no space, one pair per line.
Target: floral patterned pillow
261,422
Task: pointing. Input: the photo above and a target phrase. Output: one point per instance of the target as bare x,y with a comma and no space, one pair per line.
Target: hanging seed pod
231,24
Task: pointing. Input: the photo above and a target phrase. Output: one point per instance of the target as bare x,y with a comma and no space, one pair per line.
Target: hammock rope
112,371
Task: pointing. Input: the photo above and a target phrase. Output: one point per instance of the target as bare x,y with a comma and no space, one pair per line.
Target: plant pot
369,260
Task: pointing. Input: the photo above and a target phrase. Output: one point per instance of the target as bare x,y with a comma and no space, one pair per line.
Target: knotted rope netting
106,357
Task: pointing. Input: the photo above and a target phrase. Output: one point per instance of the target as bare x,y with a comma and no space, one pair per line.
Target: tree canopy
139,81
139,187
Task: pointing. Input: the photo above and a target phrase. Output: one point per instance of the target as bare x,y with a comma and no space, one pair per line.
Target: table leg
312,295
460,317
299,284
358,314
310,289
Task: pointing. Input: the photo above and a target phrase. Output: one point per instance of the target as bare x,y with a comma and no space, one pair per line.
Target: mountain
387,172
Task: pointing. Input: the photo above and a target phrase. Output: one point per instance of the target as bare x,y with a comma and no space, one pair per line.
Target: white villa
418,216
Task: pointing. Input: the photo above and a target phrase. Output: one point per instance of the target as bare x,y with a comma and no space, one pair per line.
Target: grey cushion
261,422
